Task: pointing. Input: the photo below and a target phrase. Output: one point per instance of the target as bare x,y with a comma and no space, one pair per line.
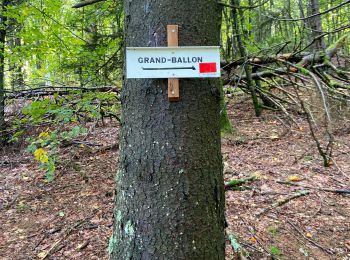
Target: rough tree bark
170,192
3,20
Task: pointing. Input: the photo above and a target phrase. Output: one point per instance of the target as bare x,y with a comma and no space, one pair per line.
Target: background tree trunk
3,20
170,193
315,24
15,68
243,51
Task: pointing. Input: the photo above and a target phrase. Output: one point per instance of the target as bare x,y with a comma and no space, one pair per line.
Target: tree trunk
16,76
243,51
3,20
229,44
301,10
315,24
170,192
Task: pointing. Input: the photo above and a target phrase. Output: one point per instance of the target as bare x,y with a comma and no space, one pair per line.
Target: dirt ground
71,218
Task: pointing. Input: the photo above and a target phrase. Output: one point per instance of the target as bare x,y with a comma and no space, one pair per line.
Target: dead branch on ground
54,90
284,201
339,191
288,83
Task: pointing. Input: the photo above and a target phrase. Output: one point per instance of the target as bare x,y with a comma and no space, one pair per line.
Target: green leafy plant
62,112
45,147
275,251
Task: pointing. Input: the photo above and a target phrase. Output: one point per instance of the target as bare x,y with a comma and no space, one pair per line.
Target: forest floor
71,218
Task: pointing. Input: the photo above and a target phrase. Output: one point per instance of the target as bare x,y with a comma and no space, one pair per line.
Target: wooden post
173,84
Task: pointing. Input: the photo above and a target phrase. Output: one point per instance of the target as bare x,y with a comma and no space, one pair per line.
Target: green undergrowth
61,119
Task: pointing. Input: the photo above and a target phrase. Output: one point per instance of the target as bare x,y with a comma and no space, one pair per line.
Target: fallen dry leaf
294,178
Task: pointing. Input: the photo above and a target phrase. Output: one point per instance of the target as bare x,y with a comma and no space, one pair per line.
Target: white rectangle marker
173,62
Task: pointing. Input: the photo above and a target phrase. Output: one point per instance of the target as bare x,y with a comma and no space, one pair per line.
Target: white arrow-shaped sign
173,62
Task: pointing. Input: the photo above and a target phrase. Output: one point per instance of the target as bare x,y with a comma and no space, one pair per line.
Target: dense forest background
285,126
51,48
53,44
48,47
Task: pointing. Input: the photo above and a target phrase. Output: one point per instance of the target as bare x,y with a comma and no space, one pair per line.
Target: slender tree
17,79
243,52
169,196
315,25
3,26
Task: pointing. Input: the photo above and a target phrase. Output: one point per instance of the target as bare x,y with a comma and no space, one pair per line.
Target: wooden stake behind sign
173,84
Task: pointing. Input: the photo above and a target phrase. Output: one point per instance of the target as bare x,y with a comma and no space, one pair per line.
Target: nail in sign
173,62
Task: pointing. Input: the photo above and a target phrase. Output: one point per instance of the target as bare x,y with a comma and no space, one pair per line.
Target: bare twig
309,240
339,170
12,202
57,245
311,16
340,191
243,7
249,228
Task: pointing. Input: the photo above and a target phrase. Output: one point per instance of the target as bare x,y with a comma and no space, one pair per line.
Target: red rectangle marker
207,67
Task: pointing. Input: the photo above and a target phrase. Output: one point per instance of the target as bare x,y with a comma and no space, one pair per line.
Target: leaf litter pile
281,203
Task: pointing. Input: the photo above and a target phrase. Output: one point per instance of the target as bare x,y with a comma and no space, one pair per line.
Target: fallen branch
57,246
235,183
340,191
284,201
84,245
303,61
5,163
264,60
66,144
327,153
48,90
237,248
114,146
